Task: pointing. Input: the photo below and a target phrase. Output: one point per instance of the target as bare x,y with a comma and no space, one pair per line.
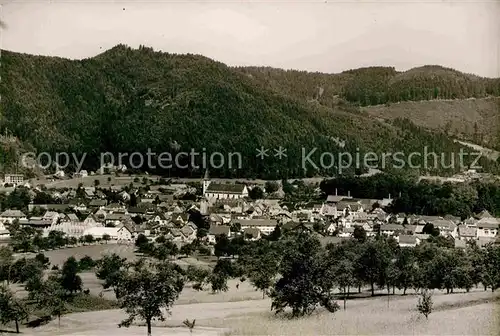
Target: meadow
242,311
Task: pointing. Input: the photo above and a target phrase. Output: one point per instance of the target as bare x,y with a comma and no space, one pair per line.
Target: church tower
206,182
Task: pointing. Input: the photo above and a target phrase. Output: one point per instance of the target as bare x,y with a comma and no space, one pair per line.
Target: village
155,207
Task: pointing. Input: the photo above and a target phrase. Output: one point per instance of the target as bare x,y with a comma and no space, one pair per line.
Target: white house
4,233
466,232
408,240
81,173
15,179
8,216
51,216
390,229
446,227
215,231
487,227
124,234
266,226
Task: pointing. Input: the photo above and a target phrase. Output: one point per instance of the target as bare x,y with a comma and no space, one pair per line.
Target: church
223,191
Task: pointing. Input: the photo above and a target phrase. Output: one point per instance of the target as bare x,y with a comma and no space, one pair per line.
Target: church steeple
205,182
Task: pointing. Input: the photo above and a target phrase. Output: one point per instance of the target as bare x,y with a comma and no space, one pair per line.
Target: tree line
293,269
422,198
375,85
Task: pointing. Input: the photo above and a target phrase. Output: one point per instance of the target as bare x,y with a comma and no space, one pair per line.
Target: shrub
424,305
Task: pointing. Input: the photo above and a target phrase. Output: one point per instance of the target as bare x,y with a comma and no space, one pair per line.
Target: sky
327,36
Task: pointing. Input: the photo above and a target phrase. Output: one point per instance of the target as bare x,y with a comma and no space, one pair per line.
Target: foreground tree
70,280
147,289
491,267
374,261
344,275
110,269
11,308
51,296
6,262
218,281
303,284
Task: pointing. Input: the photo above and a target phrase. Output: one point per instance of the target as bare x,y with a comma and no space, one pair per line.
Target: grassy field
233,313
105,181
242,311
125,180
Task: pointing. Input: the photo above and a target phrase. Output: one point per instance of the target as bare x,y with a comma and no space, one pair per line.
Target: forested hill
461,105
127,100
376,85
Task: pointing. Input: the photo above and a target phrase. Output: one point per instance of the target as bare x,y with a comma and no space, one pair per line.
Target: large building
224,191
217,191
14,178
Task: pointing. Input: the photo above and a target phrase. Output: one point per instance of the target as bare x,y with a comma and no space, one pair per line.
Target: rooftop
225,188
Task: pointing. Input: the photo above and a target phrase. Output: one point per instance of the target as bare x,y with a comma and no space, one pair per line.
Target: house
266,226
114,207
331,227
72,217
334,199
175,235
466,232
97,203
14,179
78,205
92,221
470,222
192,226
224,191
218,230
50,207
117,218
346,232
125,234
8,216
160,219
89,192
4,233
348,206
215,219
136,211
390,229
329,210
36,222
81,174
51,216
188,233
70,228
385,202
446,227
408,240
487,227
180,218
483,214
